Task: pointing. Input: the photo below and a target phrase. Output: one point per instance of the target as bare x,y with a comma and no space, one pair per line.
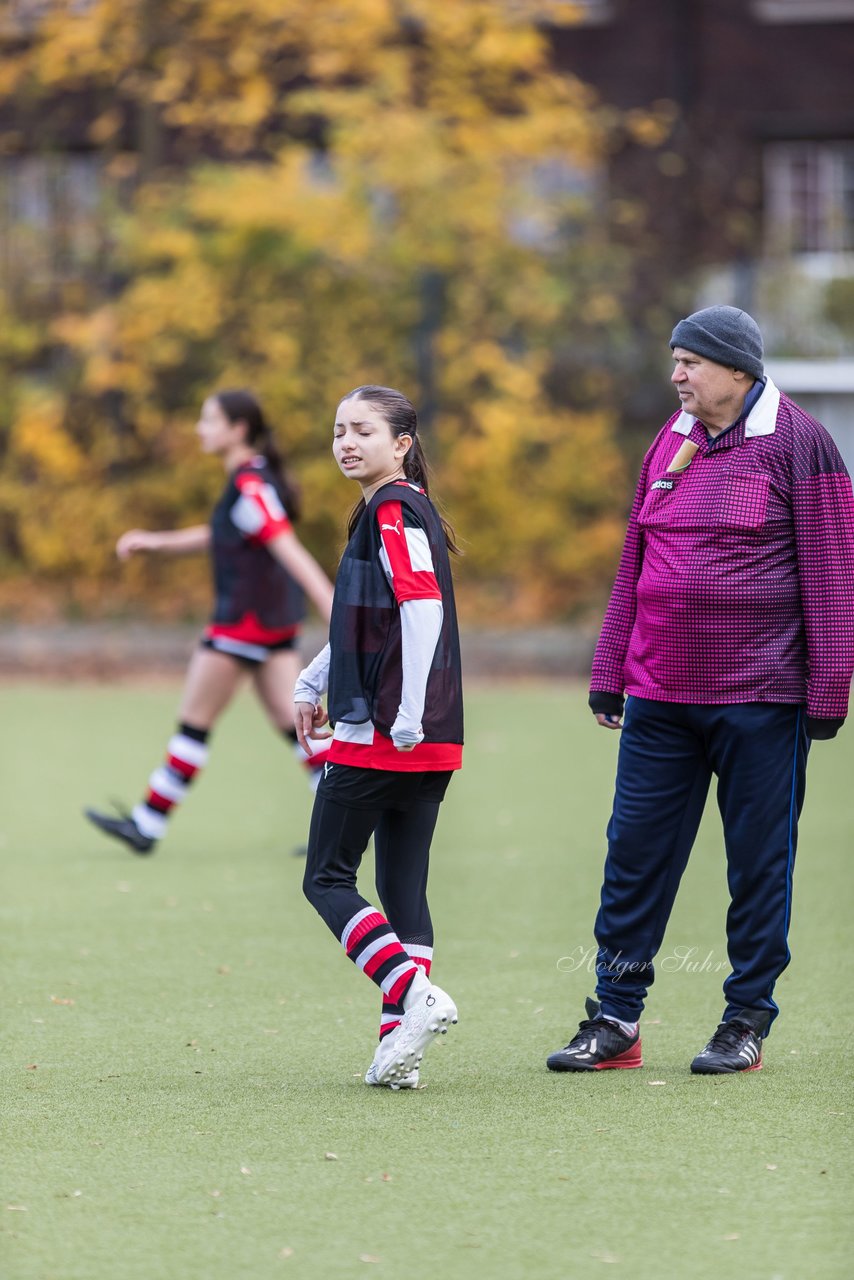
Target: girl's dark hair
402,419
241,406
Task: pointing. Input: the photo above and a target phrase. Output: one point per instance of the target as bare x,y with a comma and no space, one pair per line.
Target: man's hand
607,708
308,719
609,722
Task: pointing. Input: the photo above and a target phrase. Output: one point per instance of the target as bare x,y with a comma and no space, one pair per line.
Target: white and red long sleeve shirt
406,560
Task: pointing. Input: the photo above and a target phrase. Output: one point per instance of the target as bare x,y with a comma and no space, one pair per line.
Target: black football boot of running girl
122,828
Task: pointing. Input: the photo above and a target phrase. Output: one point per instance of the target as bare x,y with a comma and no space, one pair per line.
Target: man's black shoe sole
724,1071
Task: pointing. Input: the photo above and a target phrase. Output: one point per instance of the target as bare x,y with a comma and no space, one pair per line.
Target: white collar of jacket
761,421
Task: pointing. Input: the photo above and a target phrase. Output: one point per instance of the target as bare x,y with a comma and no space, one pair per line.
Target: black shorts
248,654
357,788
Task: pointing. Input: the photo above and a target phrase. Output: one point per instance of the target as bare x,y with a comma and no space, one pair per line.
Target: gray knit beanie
723,334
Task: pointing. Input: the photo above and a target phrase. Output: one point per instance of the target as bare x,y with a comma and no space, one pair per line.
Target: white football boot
409,1081
430,1013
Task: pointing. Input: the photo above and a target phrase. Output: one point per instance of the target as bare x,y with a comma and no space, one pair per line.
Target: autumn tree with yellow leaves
301,197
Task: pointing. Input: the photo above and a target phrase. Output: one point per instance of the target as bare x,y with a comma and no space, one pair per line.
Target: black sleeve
820,729
606,704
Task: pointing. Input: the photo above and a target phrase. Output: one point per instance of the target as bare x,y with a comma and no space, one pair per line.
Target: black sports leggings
400,811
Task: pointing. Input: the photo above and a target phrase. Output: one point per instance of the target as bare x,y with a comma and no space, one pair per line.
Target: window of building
583,13
554,200
784,11
20,17
809,197
50,217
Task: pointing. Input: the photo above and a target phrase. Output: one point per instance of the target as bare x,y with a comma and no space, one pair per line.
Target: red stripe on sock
187,771
373,921
162,804
401,987
385,953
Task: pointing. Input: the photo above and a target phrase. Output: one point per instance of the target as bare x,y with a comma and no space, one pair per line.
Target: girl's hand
406,736
136,540
308,719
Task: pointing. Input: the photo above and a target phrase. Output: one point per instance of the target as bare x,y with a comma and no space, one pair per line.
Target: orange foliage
393,192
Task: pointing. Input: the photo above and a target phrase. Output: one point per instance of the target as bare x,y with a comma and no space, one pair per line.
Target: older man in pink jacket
727,647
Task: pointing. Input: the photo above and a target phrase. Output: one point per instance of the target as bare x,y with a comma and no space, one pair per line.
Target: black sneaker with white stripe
735,1046
598,1045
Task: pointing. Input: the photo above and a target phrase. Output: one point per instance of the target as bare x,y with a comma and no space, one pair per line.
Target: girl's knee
318,887
310,887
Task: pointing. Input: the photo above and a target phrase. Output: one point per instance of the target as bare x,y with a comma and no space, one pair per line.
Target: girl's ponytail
285,483
416,469
415,466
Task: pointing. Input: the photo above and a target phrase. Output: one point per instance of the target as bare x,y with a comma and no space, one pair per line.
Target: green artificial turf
184,1041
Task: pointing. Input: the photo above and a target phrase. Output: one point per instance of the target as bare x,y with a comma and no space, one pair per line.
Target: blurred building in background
746,195
515,202
751,195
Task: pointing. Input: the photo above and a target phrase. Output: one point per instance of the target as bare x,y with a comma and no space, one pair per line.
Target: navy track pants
668,753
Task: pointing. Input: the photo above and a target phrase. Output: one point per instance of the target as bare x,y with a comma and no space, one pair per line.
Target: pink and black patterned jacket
736,582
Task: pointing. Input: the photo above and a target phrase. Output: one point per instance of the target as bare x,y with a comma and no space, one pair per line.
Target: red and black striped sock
186,754
372,944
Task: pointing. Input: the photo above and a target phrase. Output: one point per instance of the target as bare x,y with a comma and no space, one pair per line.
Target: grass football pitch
184,1042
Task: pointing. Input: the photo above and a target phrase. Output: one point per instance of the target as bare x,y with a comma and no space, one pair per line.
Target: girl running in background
392,669
261,570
